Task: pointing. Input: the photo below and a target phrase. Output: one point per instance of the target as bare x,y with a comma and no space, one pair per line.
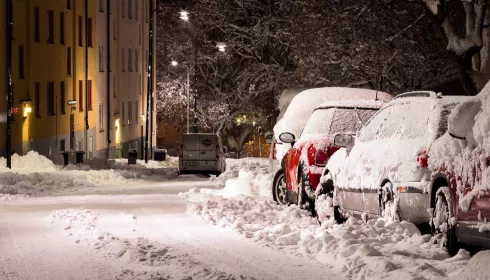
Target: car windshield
332,121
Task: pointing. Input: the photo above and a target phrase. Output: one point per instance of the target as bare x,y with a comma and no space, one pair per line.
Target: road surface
133,232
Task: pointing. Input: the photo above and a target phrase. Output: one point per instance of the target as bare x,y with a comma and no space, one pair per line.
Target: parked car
305,161
386,170
202,153
294,114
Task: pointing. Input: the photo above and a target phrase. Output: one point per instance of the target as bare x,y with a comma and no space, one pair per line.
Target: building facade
64,82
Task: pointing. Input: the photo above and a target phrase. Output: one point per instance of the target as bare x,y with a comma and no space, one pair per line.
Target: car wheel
279,190
325,205
388,203
304,201
441,223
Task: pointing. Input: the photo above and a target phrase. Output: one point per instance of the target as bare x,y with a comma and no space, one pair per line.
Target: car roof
353,103
428,97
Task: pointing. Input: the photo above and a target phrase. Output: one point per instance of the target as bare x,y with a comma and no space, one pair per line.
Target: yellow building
59,84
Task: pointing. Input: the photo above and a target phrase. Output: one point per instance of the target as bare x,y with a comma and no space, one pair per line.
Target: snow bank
249,176
375,249
477,268
34,173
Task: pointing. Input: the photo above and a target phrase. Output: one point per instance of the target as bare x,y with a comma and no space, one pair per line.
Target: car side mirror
343,140
287,137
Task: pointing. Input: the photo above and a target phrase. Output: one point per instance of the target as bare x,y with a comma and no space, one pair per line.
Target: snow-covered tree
465,25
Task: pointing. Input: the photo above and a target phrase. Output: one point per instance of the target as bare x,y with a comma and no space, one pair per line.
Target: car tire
441,217
328,190
279,190
388,204
304,201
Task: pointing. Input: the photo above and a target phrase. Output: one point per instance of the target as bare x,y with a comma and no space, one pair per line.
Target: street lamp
184,15
221,46
175,64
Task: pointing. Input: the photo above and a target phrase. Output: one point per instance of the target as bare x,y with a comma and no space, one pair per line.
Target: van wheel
304,201
388,204
279,190
441,221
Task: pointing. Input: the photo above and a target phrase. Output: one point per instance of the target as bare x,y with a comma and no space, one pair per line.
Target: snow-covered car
294,116
461,208
385,170
305,161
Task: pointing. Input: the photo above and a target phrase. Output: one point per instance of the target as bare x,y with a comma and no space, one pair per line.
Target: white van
201,153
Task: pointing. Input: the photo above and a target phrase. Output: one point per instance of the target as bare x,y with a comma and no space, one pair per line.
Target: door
207,150
142,144
190,151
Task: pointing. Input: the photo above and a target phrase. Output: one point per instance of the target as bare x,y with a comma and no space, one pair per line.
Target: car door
207,150
359,165
190,150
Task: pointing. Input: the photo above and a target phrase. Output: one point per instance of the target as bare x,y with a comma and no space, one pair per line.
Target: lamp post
149,92
8,26
175,64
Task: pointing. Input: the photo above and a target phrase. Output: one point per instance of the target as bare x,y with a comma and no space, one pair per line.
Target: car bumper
202,165
414,201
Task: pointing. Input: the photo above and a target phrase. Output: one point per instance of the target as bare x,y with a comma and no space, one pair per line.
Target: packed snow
33,174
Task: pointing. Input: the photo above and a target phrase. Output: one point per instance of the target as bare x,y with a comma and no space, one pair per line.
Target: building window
62,145
89,30
123,7
80,95
62,98
136,9
68,4
114,28
136,111
37,101
147,10
136,60
68,61
139,33
50,98
80,31
130,9
62,28
114,85
21,62
101,6
122,113
37,38
146,60
101,117
50,26
130,60
123,58
89,97
130,112
101,58
140,84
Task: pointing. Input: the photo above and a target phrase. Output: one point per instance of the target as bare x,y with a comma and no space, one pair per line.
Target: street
133,232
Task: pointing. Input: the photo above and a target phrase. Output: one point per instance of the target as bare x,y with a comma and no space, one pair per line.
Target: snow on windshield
332,121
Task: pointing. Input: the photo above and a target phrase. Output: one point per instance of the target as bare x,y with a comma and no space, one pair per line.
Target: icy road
133,232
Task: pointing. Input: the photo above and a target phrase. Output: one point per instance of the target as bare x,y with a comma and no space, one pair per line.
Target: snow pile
375,249
477,268
31,162
249,176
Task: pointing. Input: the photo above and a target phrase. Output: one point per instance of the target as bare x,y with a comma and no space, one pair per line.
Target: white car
201,153
391,168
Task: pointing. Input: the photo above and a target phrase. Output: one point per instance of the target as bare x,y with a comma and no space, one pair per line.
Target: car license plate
191,163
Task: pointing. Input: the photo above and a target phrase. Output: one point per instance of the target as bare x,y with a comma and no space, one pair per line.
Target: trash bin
132,156
65,157
79,158
159,154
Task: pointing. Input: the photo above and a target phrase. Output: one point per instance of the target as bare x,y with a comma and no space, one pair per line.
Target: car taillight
274,150
423,159
181,152
321,157
217,151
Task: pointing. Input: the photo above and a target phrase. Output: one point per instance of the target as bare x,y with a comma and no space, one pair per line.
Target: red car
303,164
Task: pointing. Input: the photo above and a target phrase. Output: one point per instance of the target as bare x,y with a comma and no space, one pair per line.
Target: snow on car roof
303,104
353,103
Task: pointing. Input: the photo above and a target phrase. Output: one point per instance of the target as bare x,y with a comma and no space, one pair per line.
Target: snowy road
133,232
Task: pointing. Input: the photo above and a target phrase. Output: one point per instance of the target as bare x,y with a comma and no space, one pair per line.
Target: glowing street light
174,63
221,46
184,15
